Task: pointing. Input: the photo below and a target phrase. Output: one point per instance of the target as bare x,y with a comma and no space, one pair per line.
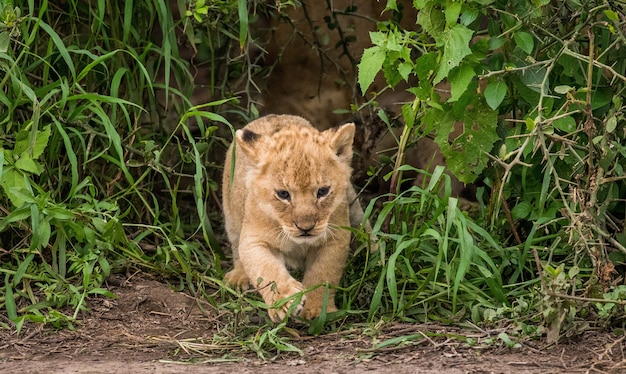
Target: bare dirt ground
151,328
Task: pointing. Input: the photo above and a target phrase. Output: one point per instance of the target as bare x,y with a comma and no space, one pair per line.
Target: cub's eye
323,192
283,195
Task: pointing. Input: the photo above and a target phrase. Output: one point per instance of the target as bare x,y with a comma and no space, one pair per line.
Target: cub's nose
305,228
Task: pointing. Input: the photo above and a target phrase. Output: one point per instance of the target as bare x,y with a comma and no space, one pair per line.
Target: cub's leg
236,277
325,265
267,272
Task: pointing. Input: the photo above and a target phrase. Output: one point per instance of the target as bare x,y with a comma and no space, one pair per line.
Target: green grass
81,177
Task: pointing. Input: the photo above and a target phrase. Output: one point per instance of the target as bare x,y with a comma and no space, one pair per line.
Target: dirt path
152,329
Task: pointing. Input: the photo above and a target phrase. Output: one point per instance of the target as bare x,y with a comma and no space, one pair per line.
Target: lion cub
287,206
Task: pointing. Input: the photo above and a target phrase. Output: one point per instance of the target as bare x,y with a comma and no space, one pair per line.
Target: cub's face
299,179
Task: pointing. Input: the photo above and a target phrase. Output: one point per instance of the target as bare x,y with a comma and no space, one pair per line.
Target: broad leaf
521,210
24,142
460,78
431,19
41,142
391,70
425,65
12,182
27,164
611,15
469,16
495,93
466,155
524,41
371,63
565,124
453,10
455,48
404,69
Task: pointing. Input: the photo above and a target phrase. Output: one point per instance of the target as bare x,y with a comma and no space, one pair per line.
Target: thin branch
511,70
585,299
595,63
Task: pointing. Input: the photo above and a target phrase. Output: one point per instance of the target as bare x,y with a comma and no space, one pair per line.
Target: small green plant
613,311
434,263
557,309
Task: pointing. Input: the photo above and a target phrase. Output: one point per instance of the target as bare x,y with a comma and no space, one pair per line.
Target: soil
151,328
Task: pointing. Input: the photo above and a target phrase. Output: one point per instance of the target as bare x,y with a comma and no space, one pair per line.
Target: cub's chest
294,254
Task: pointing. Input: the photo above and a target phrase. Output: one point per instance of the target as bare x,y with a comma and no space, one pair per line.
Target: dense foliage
539,88
106,165
92,169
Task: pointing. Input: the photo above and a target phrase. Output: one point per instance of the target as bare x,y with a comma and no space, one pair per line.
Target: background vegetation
107,166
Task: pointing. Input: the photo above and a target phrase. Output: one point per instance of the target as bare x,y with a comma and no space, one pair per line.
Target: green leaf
9,301
425,65
431,19
60,46
41,237
467,155
399,340
495,93
41,142
21,270
391,71
455,48
453,10
391,5
460,78
102,291
562,89
11,182
5,41
16,215
394,41
496,42
25,163
565,124
404,69
371,63
242,7
408,114
534,78
59,212
611,124
2,161
469,16
22,142
611,15
525,41
522,210
378,38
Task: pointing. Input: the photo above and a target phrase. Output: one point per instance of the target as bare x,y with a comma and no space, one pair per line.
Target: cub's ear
341,139
249,141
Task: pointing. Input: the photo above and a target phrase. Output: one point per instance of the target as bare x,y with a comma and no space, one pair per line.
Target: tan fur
285,153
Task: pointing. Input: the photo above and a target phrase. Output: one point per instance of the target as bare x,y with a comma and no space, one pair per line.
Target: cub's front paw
276,291
313,310
237,278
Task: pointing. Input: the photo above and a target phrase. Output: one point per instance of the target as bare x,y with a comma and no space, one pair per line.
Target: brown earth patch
151,328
